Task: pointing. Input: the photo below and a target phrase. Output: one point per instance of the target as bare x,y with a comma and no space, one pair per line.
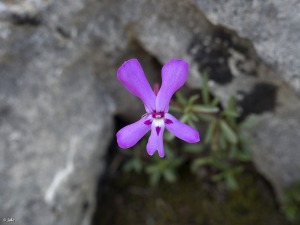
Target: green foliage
156,168
291,202
223,150
225,144
166,169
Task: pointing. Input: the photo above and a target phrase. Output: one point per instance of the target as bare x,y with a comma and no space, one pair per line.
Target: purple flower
174,75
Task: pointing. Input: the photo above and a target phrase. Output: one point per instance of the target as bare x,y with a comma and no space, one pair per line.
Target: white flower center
158,122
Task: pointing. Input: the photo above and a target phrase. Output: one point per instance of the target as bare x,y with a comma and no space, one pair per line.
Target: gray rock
54,132
278,157
55,119
58,90
272,27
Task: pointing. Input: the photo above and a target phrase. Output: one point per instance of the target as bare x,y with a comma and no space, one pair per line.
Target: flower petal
174,75
181,130
128,136
133,78
155,142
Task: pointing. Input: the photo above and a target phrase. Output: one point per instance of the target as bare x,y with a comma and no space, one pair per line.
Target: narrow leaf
231,113
193,99
206,118
169,175
210,131
181,100
185,118
175,109
194,117
228,132
205,109
154,178
200,162
215,101
195,148
205,89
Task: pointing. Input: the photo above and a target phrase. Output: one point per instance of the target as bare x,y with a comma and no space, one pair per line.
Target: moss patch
128,199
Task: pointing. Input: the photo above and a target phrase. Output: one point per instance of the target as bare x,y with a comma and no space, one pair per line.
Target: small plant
155,167
291,202
224,139
166,169
223,149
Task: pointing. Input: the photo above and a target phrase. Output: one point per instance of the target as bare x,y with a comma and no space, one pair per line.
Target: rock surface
58,91
273,155
54,132
55,119
272,27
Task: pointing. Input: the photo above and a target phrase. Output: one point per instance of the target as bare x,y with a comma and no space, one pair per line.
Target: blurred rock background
59,92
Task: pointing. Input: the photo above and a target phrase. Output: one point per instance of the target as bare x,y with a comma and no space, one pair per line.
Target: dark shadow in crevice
261,98
108,158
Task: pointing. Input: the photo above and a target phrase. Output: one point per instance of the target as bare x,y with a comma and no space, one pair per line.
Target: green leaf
200,162
231,105
169,175
228,132
180,99
243,156
210,131
169,152
137,166
178,161
154,179
187,109
230,113
174,108
249,123
134,164
191,123
185,118
127,167
222,142
169,137
218,177
206,118
231,182
194,117
152,169
193,148
233,151
205,109
192,99
215,101
205,89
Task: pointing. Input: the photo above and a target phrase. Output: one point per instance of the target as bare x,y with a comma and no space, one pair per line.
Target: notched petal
155,142
133,78
174,75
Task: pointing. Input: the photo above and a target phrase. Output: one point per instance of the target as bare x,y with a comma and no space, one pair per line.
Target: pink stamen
156,88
